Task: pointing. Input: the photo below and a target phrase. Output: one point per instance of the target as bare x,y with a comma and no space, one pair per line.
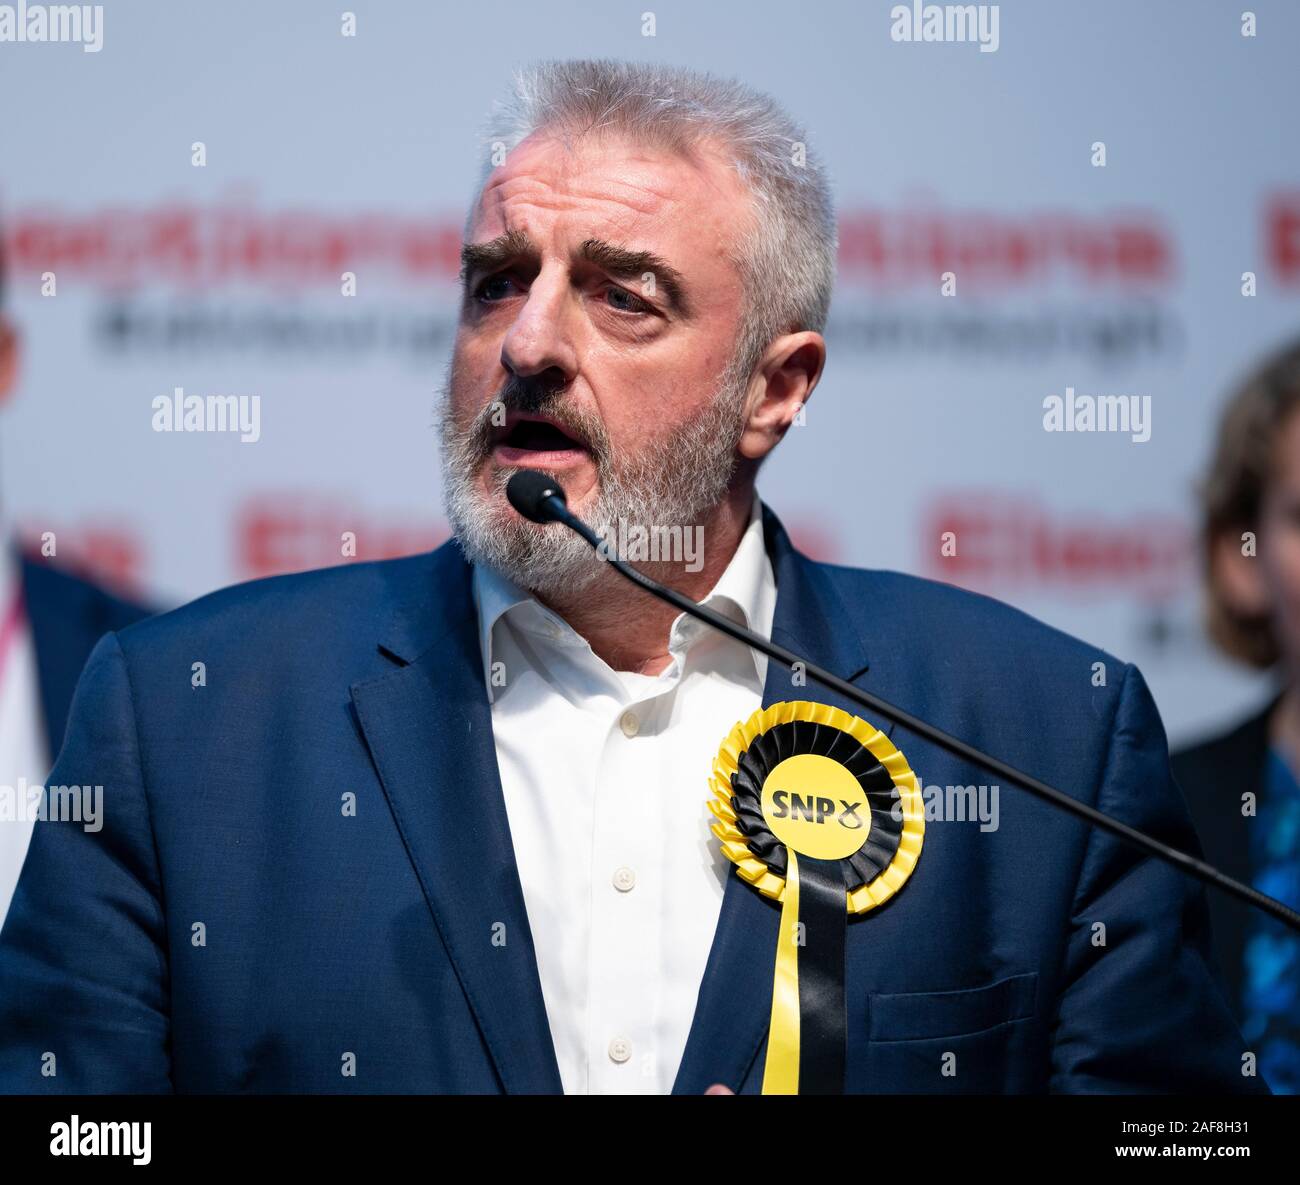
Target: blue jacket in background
68,615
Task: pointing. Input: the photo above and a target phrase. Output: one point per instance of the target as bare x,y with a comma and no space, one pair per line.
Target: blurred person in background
1243,787
49,622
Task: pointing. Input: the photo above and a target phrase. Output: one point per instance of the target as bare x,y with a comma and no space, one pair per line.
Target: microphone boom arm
554,507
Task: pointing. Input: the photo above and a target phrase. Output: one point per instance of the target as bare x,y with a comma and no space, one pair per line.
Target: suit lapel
428,726
735,1000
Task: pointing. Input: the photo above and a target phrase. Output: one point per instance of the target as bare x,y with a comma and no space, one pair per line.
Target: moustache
528,396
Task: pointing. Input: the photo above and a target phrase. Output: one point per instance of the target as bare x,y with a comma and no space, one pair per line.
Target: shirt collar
745,592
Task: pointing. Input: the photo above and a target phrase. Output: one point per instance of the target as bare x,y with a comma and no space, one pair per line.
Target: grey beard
677,480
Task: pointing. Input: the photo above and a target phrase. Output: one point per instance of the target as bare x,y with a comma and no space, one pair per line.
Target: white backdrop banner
1046,231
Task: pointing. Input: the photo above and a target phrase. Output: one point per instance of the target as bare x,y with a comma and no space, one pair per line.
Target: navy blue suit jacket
232,928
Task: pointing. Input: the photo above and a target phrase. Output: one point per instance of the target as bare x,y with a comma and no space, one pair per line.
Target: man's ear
781,384
9,351
1239,578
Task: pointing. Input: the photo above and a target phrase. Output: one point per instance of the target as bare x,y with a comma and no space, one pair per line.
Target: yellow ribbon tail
781,1072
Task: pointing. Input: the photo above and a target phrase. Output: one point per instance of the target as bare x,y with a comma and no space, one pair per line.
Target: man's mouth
530,441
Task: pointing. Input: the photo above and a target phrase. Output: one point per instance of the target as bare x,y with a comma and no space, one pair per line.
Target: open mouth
525,440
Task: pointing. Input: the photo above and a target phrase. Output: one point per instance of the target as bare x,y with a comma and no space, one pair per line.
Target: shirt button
620,1049
629,724
624,879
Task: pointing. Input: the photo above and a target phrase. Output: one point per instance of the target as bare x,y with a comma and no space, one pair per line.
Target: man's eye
490,289
625,302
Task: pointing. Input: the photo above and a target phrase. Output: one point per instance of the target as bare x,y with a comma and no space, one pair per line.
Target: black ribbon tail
823,1026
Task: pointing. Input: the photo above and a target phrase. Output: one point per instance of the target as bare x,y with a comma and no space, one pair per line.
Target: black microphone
541,500
530,492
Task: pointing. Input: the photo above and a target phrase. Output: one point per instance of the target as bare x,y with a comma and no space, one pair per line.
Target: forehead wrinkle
628,197
570,173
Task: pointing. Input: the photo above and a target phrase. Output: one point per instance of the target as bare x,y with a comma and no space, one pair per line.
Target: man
50,621
438,824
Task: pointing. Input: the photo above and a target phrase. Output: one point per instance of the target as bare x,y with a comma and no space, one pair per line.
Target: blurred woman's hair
1232,496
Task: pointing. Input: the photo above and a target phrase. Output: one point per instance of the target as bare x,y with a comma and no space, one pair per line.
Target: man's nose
540,338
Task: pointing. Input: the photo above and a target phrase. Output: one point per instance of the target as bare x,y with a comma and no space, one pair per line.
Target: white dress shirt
24,761
605,776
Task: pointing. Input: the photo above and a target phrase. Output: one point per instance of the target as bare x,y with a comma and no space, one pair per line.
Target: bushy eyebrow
495,253
618,261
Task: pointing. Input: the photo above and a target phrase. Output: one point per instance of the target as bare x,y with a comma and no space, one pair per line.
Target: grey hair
787,259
